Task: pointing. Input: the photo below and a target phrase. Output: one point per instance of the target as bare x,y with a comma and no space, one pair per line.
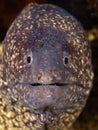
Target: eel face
47,63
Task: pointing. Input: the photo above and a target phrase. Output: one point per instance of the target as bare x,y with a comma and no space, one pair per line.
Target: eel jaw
48,101
41,96
55,96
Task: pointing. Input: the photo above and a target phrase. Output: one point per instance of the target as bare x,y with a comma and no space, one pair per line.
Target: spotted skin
47,70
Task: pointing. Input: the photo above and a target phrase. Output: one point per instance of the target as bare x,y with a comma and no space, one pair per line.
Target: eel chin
42,96
49,100
53,96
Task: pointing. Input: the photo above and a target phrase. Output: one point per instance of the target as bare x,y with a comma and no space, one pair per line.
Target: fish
47,70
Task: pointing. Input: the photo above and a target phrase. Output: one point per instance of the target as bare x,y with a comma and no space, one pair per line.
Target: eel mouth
51,84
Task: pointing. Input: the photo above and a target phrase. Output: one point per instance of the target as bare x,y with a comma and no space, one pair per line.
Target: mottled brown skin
47,69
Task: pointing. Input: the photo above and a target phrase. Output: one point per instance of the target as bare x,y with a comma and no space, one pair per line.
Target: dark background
86,11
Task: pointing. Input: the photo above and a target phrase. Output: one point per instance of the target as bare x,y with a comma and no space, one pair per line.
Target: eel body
47,70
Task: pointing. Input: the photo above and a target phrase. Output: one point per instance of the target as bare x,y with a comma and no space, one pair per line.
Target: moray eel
47,70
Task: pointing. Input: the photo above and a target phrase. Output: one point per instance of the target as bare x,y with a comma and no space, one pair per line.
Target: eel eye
65,60
29,59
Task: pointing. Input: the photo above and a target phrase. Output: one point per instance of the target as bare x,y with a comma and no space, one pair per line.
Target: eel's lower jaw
41,96
47,98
